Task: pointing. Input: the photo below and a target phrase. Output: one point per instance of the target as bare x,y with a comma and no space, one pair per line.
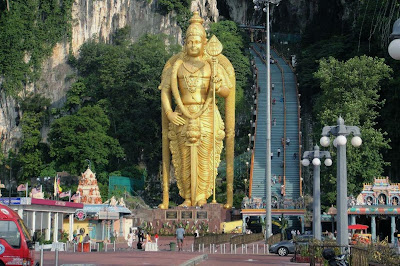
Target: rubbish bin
172,245
100,246
86,247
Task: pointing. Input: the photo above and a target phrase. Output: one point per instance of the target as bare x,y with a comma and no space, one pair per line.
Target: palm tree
283,225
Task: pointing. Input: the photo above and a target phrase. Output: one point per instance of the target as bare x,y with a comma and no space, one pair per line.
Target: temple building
378,207
88,189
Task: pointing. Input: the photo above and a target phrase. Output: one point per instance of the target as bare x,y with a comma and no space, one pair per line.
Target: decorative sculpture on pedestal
193,131
88,189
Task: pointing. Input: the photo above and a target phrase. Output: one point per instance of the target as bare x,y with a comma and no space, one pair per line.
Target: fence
211,239
357,255
245,239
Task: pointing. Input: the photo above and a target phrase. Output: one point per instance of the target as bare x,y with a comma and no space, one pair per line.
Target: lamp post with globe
315,156
341,131
264,6
394,46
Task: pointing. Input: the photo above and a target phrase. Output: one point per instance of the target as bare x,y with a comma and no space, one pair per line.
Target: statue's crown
196,26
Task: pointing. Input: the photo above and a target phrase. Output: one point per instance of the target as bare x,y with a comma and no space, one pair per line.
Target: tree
351,89
32,153
75,138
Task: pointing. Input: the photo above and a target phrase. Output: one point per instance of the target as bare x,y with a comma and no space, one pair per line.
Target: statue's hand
176,118
218,82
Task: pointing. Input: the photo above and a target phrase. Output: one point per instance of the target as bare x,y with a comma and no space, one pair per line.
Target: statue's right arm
173,117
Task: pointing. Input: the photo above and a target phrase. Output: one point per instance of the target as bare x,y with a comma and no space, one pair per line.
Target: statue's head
195,36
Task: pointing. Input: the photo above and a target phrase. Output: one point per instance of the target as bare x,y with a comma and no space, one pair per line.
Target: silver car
286,247
282,248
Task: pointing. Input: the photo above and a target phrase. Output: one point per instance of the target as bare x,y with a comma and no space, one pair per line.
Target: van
16,244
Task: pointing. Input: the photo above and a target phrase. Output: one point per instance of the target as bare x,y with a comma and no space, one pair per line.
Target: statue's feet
227,206
186,203
163,206
201,202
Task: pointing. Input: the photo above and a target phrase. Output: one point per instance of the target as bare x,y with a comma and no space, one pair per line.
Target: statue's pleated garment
181,148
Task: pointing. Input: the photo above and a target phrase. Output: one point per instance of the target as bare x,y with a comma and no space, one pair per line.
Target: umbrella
358,226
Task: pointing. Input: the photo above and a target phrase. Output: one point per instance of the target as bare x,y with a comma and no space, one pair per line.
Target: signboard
16,201
186,215
171,214
201,215
107,215
80,215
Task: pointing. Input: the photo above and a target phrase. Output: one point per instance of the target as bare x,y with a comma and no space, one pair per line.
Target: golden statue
192,78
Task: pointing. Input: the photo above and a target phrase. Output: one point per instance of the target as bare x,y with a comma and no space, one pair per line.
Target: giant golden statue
193,130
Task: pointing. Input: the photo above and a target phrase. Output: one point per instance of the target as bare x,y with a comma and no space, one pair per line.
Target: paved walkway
239,260
125,256
136,257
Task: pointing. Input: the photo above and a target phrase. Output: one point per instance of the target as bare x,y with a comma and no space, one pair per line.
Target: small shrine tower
88,189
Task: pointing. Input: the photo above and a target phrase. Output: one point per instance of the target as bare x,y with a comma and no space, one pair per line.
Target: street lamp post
315,156
268,219
394,46
341,131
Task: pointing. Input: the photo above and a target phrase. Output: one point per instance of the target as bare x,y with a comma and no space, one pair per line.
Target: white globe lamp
316,162
356,141
328,162
394,49
341,140
324,141
305,162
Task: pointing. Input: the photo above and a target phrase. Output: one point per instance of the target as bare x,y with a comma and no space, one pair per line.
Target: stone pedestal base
205,220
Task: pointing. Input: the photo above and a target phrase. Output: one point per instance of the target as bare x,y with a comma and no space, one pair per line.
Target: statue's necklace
191,79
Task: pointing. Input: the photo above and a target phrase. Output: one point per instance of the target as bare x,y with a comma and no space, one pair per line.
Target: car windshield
9,232
25,230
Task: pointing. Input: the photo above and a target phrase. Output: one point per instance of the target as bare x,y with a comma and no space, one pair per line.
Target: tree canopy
351,89
81,136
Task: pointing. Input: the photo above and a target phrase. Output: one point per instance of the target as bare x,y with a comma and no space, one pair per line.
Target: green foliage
32,154
351,89
82,136
181,7
29,32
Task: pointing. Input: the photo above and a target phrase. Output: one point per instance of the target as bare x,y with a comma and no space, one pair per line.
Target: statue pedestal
206,219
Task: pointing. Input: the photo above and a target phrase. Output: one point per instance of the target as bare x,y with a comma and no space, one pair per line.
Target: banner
36,190
22,187
65,194
75,196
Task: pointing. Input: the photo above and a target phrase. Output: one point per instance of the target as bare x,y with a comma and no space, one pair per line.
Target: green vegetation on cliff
28,33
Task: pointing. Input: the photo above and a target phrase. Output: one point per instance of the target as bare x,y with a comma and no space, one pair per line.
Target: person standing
395,238
156,238
86,238
279,152
130,239
180,235
287,141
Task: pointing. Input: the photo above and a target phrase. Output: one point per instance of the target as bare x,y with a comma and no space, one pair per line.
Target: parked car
286,247
282,248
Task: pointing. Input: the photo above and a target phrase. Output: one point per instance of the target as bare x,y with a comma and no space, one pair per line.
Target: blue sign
2,249
15,201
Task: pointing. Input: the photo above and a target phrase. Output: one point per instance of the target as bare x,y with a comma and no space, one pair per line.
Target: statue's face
194,46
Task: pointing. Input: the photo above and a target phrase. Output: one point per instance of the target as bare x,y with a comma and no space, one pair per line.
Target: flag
65,194
75,196
21,187
57,187
36,190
